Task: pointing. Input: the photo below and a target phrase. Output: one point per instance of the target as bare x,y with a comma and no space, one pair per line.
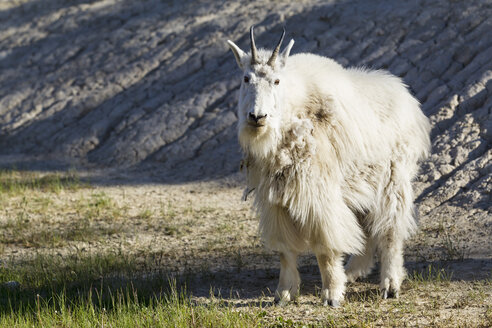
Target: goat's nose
255,118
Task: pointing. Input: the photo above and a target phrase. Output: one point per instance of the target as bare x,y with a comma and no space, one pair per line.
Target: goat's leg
288,285
332,277
392,270
361,265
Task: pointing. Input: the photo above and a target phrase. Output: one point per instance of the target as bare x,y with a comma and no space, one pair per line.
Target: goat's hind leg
392,270
401,218
359,266
332,276
288,285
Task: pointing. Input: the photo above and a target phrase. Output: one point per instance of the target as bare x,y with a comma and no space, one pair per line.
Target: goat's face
260,96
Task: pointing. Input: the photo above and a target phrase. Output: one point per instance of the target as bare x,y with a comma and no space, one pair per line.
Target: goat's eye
246,79
277,81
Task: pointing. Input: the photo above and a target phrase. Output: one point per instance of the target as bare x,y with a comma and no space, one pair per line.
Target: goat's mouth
255,125
256,121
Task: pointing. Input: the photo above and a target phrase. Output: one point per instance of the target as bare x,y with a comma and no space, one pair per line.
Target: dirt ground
204,231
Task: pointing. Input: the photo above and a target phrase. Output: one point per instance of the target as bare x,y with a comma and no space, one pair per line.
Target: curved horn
273,58
254,55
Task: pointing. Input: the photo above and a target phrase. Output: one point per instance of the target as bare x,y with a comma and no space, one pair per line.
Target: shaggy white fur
330,153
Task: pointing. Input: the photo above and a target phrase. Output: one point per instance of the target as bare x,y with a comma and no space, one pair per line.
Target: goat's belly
307,213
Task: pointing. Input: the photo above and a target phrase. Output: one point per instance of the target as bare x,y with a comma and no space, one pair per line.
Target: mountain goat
330,153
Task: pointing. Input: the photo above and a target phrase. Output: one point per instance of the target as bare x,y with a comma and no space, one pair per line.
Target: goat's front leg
288,285
332,277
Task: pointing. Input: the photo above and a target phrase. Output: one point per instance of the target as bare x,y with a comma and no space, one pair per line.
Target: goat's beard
258,142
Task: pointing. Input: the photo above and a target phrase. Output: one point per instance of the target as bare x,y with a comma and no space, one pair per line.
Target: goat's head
261,94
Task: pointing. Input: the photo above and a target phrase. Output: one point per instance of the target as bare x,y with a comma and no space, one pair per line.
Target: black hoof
332,303
280,302
391,293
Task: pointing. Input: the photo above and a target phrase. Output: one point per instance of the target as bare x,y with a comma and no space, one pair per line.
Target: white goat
330,153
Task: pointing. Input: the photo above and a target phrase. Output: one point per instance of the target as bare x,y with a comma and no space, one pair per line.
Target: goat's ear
238,53
286,51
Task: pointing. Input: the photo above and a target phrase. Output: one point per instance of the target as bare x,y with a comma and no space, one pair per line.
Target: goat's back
376,110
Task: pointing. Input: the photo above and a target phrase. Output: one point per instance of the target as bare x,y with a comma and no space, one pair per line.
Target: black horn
273,57
254,55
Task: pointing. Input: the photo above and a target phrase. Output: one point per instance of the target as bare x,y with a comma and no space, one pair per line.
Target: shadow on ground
101,278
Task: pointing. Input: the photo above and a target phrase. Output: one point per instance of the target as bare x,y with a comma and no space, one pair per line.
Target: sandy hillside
149,86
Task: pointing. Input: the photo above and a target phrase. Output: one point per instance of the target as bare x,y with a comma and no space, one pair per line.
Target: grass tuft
14,182
430,275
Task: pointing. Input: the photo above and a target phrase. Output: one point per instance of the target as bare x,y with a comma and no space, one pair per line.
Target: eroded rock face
120,83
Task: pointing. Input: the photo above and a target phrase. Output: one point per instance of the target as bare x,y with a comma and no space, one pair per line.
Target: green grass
34,214
20,231
99,206
86,289
127,310
15,182
430,275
